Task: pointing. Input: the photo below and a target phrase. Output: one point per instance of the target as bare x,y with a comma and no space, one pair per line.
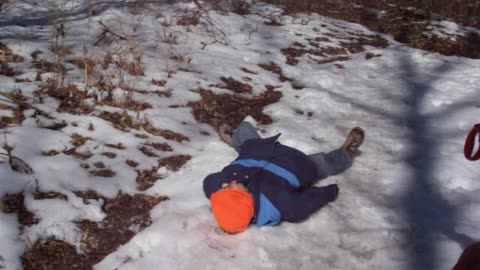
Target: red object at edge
470,142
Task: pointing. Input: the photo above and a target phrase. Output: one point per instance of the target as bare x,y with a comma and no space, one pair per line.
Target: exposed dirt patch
146,178
141,136
44,66
99,165
51,153
85,165
292,53
131,163
126,216
235,86
78,140
167,134
370,55
103,173
8,71
14,203
216,109
166,93
56,126
52,253
118,146
246,70
109,154
88,195
272,22
121,121
331,60
189,19
174,163
407,21
126,102
7,55
351,45
160,146
35,54
71,99
147,151
85,64
18,117
297,86
124,122
40,195
6,107
160,83
78,155
272,67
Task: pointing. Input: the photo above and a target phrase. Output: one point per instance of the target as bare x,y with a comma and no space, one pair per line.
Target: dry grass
7,55
6,70
124,122
18,117
84,64
126,102
70,97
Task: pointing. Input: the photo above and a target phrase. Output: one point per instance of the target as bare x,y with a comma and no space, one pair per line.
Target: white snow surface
410,200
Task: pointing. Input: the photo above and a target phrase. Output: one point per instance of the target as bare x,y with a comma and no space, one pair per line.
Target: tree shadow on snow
429,214
44,17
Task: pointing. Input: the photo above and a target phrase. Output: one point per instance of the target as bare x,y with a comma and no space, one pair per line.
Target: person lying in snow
270,182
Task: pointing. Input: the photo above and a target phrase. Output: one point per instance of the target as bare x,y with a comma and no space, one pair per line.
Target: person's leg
339,160
244,132
331,163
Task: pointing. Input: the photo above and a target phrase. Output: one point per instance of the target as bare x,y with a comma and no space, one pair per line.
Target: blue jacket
280,179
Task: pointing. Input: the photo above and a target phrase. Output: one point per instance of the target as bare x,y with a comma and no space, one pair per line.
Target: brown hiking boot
354,140
224,131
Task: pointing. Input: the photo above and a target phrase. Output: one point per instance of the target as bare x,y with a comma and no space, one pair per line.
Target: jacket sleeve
300,205
213,182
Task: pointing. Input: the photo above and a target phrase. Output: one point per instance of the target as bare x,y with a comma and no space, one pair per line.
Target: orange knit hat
233,209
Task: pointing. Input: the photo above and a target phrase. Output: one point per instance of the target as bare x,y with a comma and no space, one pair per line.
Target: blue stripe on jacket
277,170
268,214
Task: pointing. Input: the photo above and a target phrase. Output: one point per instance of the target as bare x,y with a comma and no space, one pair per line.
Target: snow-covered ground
410,201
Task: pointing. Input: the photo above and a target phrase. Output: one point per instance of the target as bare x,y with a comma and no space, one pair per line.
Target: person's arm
297,206
213,182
